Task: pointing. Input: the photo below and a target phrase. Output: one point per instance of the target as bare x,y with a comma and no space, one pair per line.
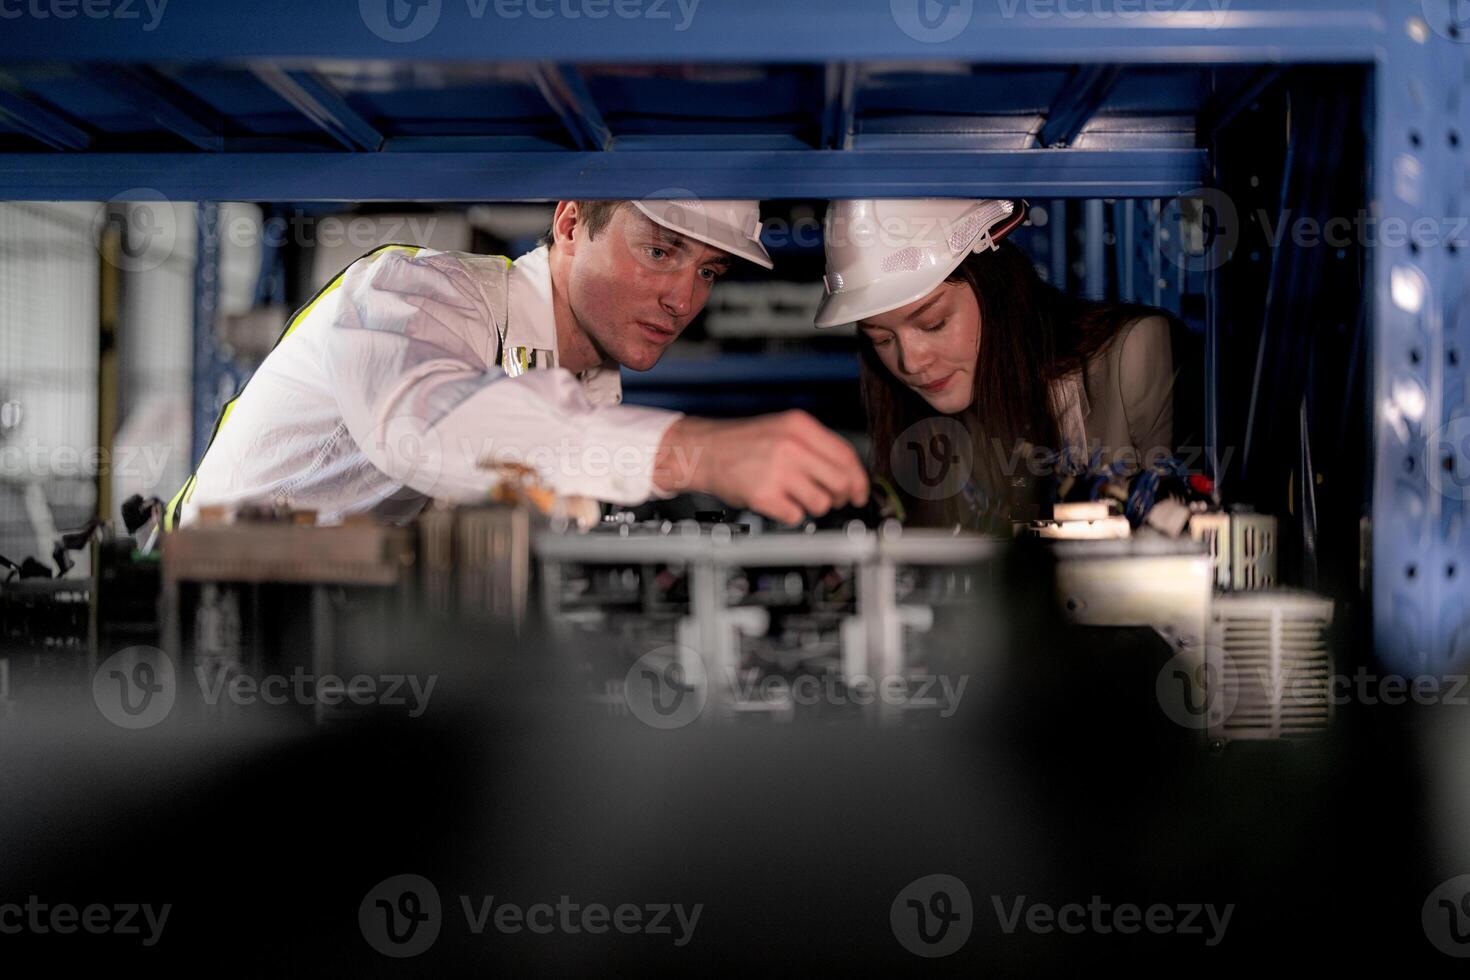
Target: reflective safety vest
513,360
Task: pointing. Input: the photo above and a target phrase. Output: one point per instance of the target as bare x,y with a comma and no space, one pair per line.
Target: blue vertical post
1058,210
1421,424
1095,274
215,375
206,285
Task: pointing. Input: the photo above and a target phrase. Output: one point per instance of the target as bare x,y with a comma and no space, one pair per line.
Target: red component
1202,484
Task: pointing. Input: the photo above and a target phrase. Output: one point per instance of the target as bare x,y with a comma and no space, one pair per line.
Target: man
415,372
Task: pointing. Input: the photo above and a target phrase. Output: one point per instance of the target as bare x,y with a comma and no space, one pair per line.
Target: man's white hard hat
883,254
734,226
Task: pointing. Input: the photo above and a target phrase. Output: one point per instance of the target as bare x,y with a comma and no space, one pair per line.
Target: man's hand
784,466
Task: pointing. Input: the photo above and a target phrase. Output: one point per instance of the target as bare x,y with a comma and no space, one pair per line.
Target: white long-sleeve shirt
387,393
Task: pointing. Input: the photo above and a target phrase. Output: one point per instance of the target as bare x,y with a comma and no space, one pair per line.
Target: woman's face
930,345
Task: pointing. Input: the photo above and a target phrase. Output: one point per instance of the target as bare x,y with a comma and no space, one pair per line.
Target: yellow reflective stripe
170,513
305,311
174,510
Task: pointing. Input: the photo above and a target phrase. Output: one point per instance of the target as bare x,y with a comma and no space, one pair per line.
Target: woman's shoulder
1143,332
1141,343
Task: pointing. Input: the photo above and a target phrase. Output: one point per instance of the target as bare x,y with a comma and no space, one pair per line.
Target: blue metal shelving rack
535,99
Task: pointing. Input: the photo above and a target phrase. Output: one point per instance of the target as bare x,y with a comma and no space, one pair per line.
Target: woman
981,381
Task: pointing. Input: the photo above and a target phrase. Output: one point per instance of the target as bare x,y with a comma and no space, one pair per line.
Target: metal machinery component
1271,652
1259,661
475,562
846,606
256,597
1242,546
44,634
1158,583
259,597
54,631
269,592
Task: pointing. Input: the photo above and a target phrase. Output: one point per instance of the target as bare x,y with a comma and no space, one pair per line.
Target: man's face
636,285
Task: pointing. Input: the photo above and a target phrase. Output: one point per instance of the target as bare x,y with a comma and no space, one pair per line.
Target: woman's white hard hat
884,254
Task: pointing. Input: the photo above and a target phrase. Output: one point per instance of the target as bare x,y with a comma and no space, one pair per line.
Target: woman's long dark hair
1031,334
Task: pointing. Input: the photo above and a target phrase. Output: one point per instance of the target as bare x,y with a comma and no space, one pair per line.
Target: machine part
774,603
521,484
1157,583
352,554
1106,528
1242,546
1271,650
884,504
1169,517
475,562
1083,510
263,595
1082,520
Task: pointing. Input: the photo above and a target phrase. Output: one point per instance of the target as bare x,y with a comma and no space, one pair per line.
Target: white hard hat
883,254
734,226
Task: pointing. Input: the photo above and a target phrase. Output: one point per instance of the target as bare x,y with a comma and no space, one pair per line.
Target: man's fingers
837,482
782,508
851,483
809,494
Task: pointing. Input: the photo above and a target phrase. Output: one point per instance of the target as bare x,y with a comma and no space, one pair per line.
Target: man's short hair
594,214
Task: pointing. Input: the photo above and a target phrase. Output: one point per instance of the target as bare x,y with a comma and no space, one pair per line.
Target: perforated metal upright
1422,421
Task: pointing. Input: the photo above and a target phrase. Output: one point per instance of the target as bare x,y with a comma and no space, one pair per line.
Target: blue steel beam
617,174
156,98
814,31
1077,102
40,123
564,89
315,99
